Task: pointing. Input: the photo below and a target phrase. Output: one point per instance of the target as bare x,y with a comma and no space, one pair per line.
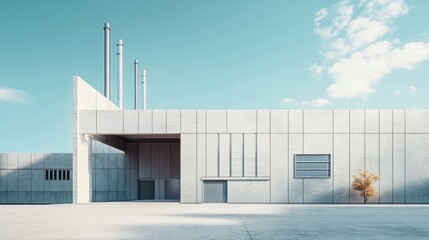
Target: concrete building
234,156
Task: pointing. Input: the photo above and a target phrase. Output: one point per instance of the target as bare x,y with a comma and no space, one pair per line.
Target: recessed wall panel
212,155
249,155
279,168
224,155
237,155
248,191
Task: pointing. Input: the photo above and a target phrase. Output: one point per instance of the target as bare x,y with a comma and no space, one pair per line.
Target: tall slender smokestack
144,89
136,84
107,60
120,45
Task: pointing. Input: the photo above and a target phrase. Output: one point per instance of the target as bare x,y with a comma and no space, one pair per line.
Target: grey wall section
114,169
160,162
253,150
22,178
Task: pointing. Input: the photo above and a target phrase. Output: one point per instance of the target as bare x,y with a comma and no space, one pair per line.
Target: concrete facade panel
173,121
386,168
12,180
88,121
145,162
159,121
318,121
24,197
12,161
188,121
341,121
417,121
372,159
279,168
164,158
357,162
224,155
155,157
241,121
417,168
249,155
340,166
372,121
24,161
145,121
175,160
386,121
237,155
212,152
248,191
188,156
38,160
398,121
296,121
201,165
296,191
3,180
24,180
318,190
216,121
3,161
263,121
398,168
131,121
357,121
110,122
263,155
279,121
201,121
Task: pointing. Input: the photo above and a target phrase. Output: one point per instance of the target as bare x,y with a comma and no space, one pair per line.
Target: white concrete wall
258,147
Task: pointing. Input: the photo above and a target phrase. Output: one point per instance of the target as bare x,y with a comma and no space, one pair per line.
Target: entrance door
146,190
215,192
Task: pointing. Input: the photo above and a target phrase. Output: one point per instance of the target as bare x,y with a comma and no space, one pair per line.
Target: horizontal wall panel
341,121
241,121
248,191
110,121
159,121
279,121
145,121
216,121
318,121
173,121
263,121
131,121
188,121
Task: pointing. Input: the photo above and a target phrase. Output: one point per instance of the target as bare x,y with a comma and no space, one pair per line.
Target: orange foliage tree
364,183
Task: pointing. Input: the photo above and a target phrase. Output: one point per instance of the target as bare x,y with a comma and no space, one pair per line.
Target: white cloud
13,95
287,100
355,46
316,69
319,102
358,75
408,90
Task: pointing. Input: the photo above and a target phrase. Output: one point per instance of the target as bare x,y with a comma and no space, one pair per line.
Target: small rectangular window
59,175
68,174
312,165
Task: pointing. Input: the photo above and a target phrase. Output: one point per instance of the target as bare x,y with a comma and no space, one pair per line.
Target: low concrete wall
22,178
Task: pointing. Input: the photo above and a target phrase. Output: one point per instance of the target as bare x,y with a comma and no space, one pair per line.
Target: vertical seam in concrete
379,156
364,140
218,154
256,154
205,120
349,157
196,169
230,155
392,160
333,159
151,116
242,154
288,157
405,156
302,140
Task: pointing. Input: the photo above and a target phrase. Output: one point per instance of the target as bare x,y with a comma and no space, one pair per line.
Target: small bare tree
364,183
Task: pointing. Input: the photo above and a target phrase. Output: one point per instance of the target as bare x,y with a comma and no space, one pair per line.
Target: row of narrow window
53,175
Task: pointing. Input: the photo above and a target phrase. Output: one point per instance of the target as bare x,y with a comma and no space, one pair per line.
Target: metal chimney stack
107,60
136,84
120,45
144,89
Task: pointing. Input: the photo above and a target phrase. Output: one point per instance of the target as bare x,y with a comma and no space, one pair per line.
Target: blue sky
208,55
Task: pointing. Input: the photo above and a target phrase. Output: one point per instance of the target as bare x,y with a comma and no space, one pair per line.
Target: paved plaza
149,220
